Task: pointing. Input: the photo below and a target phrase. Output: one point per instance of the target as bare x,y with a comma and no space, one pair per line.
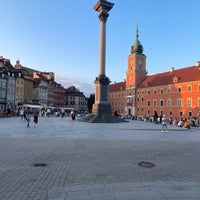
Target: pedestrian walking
35,117
164,124
155,117
28,120
22,113
73,114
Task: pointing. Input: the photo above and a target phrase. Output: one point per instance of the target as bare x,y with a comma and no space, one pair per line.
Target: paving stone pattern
62,159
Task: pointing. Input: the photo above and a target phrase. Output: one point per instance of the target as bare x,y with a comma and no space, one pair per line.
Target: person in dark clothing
35,117
155,117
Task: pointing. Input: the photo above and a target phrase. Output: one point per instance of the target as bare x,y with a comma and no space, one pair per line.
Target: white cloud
84,87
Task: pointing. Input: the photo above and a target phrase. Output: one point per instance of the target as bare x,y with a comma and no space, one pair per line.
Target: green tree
90,102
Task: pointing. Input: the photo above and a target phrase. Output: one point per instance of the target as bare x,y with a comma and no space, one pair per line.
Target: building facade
22,85
175,93
75,99
40,85
117,96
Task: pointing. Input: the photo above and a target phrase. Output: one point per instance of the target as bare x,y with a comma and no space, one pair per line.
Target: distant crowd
182,122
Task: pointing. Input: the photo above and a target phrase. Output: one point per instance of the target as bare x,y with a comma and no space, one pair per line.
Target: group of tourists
185,123
26,114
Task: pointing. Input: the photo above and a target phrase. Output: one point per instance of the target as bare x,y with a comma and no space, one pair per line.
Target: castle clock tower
135,74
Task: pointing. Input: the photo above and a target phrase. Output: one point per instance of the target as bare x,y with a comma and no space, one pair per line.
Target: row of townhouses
19,85
175,93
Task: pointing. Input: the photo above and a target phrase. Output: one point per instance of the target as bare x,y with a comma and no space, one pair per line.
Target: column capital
103,6
103,16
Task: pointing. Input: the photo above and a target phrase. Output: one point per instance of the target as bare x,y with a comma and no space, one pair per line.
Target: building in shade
175,93
75,99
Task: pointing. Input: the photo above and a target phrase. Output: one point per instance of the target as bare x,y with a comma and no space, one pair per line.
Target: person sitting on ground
186,124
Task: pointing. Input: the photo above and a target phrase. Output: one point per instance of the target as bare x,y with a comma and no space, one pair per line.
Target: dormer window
175,79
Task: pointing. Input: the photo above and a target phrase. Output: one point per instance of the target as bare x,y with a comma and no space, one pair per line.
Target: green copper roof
137,46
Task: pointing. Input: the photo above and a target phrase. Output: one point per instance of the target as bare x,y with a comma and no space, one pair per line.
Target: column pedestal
101,110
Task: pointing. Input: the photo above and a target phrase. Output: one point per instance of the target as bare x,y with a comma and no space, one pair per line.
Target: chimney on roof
197,63
171,69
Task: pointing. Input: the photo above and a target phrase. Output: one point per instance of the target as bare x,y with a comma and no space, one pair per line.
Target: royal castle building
175,93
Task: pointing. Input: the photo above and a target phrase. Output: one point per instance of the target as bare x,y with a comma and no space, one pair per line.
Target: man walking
164,124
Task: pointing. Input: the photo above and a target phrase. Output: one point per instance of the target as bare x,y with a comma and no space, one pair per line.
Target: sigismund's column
102,105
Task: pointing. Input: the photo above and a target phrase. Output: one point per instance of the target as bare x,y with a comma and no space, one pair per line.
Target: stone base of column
102,118
101,108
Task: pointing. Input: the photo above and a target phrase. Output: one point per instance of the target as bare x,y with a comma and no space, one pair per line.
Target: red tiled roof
117,86
182,75
9,66
6,64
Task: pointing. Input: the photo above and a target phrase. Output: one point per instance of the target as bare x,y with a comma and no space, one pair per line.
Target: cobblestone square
63,159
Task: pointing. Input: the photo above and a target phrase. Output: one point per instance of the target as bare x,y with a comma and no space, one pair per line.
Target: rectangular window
179,89
3,85
148,103
169,102
179,102
154,102
154,91
189,88
199,102
189,102
161,91
150,92
161,103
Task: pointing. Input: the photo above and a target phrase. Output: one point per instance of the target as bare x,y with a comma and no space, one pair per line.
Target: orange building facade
175,93
117,97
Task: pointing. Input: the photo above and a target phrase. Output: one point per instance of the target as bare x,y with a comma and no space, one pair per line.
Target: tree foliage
90,102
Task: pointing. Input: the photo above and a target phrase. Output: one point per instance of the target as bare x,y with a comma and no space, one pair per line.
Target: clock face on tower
140,61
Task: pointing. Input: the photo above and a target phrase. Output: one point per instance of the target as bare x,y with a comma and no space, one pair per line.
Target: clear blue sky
63,35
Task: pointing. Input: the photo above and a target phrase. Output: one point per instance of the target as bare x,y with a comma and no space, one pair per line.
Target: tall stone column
101,110
102,104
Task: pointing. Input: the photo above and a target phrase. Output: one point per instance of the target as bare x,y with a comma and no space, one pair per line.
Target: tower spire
137,35
137,47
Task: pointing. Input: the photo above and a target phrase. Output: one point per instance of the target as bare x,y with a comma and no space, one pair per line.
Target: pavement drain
40,165
146,164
